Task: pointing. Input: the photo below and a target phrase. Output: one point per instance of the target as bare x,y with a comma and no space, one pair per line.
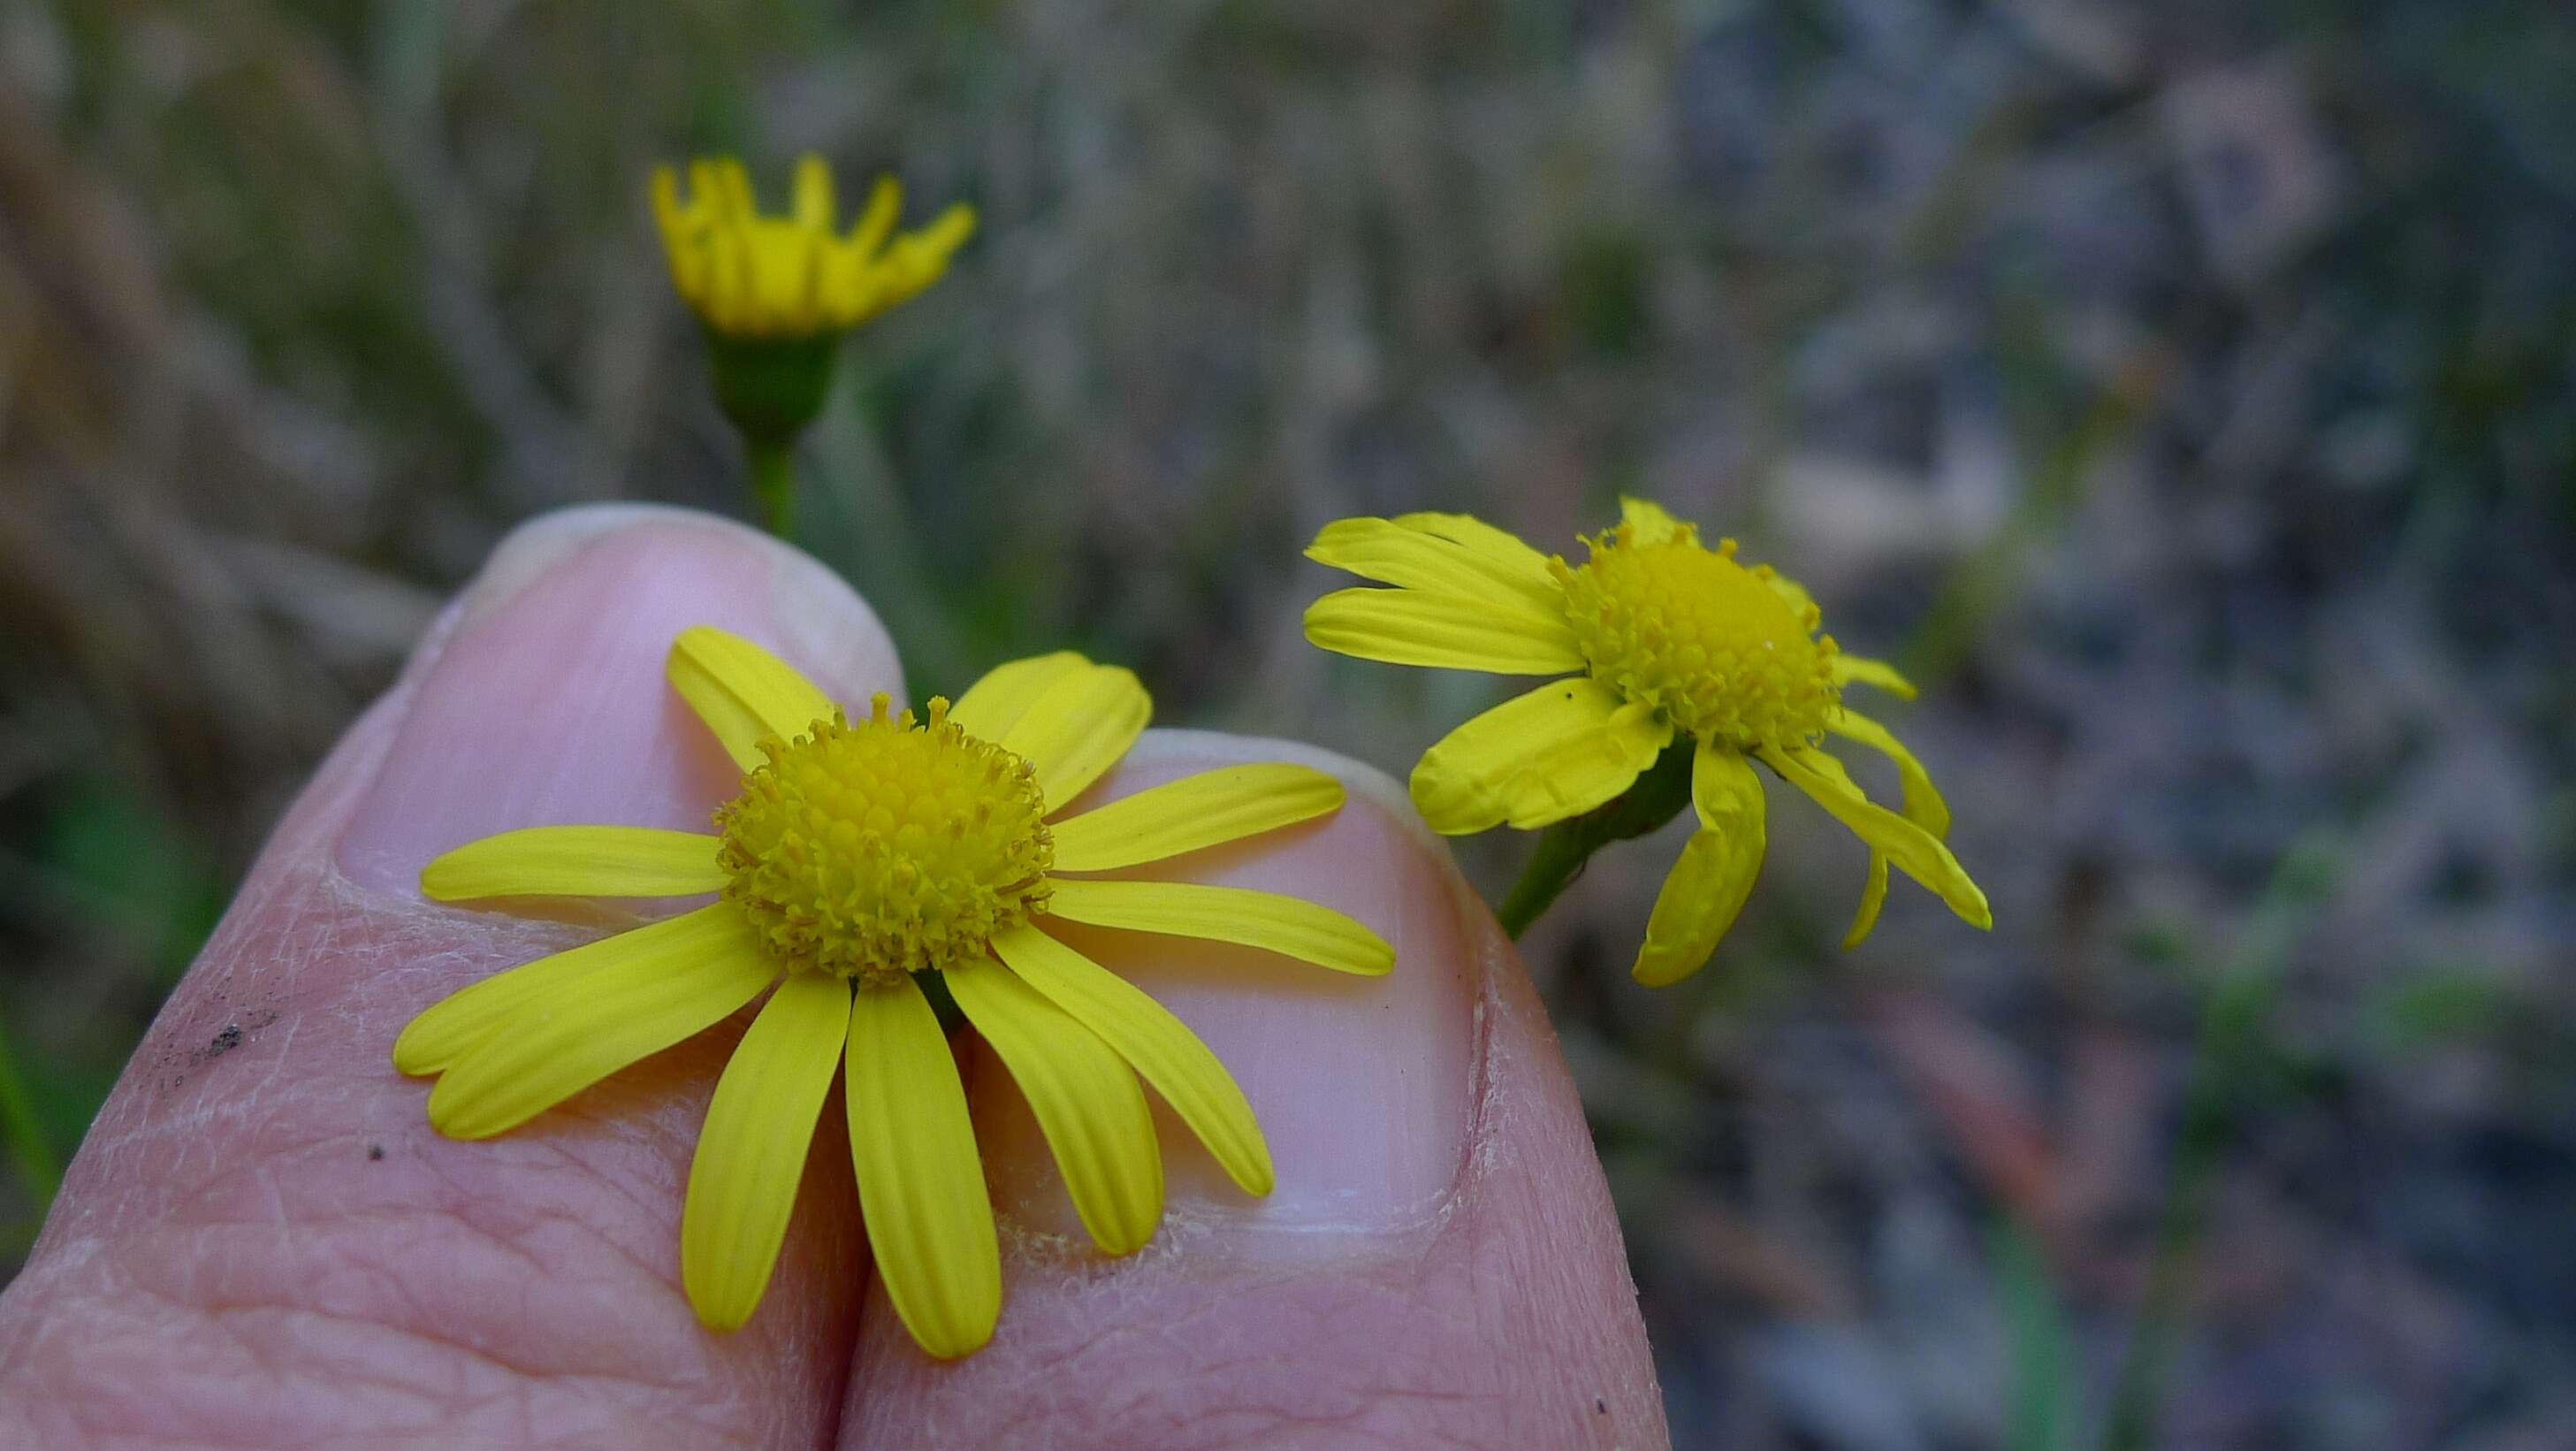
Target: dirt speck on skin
232,1035
375,1152
181,1058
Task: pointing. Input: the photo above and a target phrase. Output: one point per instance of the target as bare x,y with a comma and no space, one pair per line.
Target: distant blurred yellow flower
868,870
748,275
777,292
1673,638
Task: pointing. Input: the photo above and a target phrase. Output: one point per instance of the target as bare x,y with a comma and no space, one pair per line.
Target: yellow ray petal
812,207
918,259
994,704
1699,900
1194,812
595,1025
1085,1098
1285,925
1707,887
876,220
1873,895
733,189
1923,804
576,861
1409,627
1163,1049
921,1186
679,225
743,692
667,211
1079,728
707,193
1651,523
751,1153
1501,546
1388,552
463,1019
1538,758
1916,852
1873,892
1858,670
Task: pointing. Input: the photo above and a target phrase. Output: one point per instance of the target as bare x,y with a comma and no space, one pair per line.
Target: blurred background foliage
2184,390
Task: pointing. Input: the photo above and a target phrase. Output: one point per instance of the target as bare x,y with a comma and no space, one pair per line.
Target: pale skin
263,1244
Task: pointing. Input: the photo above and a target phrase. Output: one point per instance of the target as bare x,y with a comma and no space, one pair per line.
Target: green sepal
771,388
1661,792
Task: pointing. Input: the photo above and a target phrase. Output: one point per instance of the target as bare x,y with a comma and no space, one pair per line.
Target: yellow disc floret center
1724,652
874,848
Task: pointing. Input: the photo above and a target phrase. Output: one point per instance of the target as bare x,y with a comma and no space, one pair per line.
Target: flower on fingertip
871,871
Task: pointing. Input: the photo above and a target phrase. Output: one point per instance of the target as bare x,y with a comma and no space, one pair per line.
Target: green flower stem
1661,793
773,482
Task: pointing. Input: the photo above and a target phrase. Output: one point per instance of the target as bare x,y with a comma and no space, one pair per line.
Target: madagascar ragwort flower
863,856
1671,639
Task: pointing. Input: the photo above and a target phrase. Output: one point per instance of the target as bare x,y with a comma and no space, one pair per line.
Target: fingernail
544,701
1363,1086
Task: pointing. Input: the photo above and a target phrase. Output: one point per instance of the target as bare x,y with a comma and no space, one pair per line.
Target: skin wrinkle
377,1228
639,1192
222,1313
217,1305
329,1370
228,1321
1260,1384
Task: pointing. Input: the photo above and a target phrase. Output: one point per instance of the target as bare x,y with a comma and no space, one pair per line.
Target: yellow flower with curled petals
776,293
1673,641
753,275
868,866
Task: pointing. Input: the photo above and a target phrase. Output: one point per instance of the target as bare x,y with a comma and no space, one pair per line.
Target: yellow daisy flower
1672,639
752,276
863,858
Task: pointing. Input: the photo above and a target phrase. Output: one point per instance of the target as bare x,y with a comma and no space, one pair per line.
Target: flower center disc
873,849
1723,651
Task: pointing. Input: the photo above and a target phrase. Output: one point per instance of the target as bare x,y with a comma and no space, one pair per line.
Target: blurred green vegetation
2185,392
